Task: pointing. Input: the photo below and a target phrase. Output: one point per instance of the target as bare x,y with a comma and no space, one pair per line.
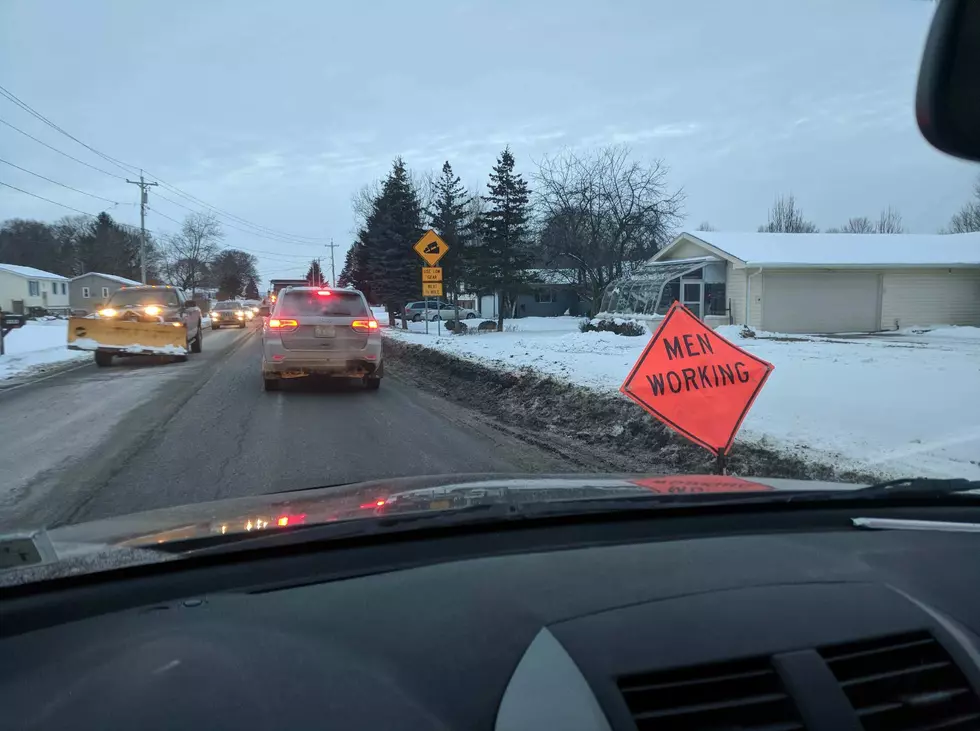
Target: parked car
437,309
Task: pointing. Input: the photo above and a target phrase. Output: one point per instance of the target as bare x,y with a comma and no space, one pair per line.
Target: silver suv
437,309
318,331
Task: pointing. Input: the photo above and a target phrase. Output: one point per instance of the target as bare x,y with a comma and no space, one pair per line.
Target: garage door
820,302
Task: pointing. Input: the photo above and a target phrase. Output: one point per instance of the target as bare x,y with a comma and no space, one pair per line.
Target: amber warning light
695,381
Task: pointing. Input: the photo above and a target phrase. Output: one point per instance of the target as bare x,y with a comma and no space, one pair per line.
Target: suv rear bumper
338,368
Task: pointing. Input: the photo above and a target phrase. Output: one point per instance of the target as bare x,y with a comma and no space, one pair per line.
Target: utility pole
143,186
333,270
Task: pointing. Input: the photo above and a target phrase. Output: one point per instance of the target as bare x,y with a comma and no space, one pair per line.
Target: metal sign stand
426,315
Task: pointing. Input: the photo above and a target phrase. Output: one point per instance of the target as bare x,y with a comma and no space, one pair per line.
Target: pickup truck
140,320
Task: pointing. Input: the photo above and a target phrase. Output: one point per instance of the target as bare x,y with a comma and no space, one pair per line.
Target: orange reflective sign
431,247
695,381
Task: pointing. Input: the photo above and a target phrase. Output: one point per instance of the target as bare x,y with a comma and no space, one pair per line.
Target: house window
105,293
33,289
544,296
86,293
64,287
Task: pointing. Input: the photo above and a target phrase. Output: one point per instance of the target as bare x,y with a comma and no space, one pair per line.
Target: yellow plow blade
126,336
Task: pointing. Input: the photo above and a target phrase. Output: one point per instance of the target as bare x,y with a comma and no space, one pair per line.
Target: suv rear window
335,304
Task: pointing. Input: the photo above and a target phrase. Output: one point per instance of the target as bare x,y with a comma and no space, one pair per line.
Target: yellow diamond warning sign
431,248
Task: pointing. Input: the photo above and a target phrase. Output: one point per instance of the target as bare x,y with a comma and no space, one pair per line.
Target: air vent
746,694
904,682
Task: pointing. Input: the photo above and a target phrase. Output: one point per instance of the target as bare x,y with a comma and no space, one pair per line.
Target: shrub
616,325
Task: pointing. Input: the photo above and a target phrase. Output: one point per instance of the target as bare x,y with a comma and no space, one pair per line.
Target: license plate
439,505
324,331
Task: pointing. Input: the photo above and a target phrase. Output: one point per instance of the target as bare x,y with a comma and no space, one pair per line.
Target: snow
764,249
902,404
205,321
31,272
37,345
135,348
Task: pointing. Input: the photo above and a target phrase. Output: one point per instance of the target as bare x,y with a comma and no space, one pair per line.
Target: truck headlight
152,310
108,312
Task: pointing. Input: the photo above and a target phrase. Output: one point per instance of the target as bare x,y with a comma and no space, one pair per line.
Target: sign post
431,248
696,382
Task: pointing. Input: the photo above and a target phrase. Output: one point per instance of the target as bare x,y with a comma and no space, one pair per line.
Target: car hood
138,537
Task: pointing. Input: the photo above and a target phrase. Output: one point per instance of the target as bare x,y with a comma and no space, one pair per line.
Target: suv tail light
282,325
364,326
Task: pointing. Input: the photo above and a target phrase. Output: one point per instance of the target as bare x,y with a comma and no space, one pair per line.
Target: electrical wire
42,177
60,152
41,197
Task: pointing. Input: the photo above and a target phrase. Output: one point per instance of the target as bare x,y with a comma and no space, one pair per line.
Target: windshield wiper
918,487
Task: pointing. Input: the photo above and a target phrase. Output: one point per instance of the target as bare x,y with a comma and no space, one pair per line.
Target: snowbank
902,407
36,346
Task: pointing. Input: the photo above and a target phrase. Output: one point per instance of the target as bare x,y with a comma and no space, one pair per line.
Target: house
23,289
90,291
550,292
809,283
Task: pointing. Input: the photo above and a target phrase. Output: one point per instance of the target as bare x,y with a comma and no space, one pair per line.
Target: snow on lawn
902,404
38,344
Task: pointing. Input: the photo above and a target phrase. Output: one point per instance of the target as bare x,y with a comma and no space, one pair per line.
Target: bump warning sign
695,381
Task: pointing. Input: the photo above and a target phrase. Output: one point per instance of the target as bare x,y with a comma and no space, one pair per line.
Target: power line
41,142
30,110
41,197
38,175
308,240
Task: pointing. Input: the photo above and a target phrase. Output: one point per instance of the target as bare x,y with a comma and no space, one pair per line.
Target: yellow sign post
431,247
432,274
432,289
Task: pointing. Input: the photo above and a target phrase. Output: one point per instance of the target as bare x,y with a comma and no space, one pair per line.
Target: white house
810,283
22,288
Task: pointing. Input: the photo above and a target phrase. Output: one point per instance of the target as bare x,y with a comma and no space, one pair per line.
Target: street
144,434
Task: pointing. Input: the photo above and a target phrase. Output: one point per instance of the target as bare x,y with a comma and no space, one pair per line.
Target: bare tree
786,217
189,253
602,212
362,203
705,226
966,219
890,222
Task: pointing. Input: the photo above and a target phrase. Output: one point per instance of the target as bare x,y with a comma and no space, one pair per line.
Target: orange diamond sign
696,382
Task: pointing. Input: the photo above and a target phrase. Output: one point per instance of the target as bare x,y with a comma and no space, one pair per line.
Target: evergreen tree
450,219
383,256
504,255
314,275
251,289
109,248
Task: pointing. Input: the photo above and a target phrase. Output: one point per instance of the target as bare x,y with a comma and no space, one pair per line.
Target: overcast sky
277,112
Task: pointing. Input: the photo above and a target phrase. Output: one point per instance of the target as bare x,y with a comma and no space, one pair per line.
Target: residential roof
840,250
554,276
31,272
113,277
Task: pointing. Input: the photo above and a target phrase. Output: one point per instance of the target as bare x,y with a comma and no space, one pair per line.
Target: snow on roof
845,250
113,277
31,272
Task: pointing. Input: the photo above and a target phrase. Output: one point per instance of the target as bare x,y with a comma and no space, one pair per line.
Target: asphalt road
95,443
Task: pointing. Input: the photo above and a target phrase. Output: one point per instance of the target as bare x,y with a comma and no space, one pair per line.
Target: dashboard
646,625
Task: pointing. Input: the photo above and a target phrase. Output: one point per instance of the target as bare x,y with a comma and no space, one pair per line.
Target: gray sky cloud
278,112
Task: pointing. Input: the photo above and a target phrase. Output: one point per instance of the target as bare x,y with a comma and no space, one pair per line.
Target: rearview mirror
947,99
190,303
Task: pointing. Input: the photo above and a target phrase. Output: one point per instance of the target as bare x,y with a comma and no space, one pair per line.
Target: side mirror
190,303
947,99
265,311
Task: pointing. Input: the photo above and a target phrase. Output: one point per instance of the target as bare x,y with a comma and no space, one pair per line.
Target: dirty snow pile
37,346
903,403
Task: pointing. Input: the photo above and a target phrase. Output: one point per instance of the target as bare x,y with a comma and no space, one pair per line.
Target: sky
276,113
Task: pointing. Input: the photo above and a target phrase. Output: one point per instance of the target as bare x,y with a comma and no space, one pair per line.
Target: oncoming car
229,312
319,331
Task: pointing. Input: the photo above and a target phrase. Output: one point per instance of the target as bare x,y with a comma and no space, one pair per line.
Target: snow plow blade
126,336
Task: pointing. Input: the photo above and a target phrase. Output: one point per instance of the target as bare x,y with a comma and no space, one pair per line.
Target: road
99,442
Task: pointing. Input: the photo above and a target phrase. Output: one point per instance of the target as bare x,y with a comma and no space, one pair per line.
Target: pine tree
383,255
251,289
504,255
314,275
450,219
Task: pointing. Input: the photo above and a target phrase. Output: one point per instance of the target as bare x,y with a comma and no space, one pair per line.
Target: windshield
329,304
129,297
641,239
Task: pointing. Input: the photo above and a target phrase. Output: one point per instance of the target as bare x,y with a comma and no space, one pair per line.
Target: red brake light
284,325
323,293
364,326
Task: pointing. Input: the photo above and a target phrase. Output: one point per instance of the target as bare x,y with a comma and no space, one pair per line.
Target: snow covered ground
36,346
898,403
